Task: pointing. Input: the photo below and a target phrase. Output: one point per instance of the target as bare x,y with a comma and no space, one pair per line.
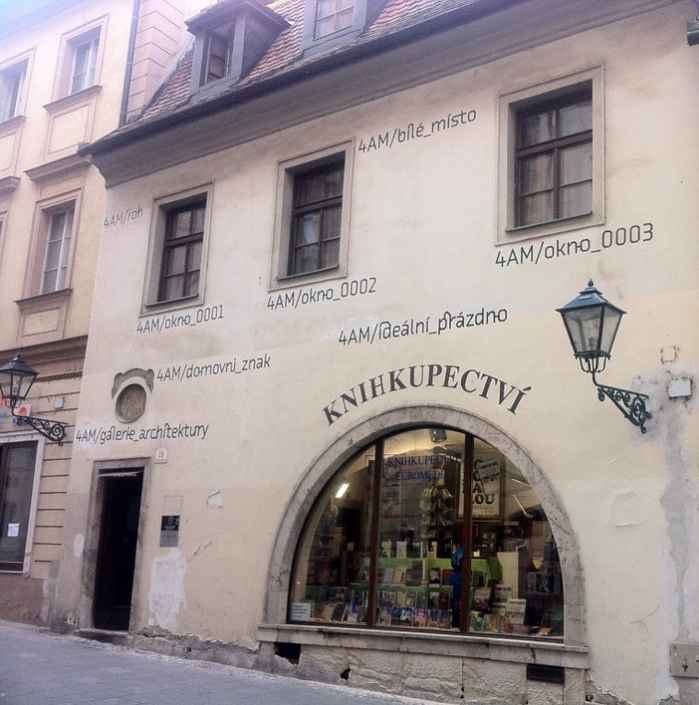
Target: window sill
550,227
150,309
494,648
44,298
319,275
78,97
12,124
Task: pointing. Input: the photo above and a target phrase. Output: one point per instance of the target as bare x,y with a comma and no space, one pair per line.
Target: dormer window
217,56
331,23
230,38
333,16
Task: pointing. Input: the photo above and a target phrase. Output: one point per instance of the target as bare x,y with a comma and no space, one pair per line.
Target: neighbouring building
70,72
330,421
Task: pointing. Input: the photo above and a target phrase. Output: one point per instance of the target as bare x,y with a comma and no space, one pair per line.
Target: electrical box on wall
684,660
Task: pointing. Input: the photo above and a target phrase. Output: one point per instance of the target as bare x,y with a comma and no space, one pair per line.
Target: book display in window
383,546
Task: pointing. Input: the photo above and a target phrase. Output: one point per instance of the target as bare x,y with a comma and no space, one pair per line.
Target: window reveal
333,16
57,254
554,160
181,262
385,544
316,219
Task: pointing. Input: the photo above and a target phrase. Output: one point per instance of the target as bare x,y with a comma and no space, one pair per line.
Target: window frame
90,33
64,250
511,106
287,173
466,520
21,65
163,207
364,12
44,212
20,439
207,53
335,14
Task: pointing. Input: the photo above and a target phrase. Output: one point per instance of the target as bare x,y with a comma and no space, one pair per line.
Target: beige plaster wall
422,224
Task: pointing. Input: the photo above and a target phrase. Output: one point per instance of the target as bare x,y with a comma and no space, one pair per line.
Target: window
12,90
176,267
430,528
55,271
184,235
316,218
552,172
79,65
554,160
333,16
311,229
84,63
18,469
217,56
331,23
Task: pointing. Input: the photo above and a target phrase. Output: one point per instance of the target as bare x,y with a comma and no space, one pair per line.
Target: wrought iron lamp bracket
631,404
53,430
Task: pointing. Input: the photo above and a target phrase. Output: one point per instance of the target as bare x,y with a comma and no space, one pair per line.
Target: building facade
70,72
330,421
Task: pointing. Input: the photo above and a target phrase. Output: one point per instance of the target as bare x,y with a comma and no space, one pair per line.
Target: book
387,576
401,549
435,576
514,610
399,575
481,599
386,549
477,622
338,613
447,575
433,600
444,600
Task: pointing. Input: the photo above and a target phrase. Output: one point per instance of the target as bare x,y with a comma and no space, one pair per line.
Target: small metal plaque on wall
169,529
684,660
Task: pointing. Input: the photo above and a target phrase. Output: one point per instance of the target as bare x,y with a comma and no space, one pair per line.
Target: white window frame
28,437
88,75
509,105
279,277
11,107
64,250
161,208
93,34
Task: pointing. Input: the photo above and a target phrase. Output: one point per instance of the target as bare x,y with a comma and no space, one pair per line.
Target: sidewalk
38,667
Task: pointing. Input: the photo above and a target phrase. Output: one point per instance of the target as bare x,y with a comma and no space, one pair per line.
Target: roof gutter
196,111
129,63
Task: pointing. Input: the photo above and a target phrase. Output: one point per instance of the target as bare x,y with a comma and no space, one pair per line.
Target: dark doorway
116,557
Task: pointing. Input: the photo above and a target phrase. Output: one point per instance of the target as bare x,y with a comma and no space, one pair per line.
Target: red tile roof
286,53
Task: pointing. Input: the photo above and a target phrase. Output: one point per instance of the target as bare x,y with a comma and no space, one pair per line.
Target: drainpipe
129,62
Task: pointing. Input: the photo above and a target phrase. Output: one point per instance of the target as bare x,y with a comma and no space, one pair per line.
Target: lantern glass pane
612,318
584,326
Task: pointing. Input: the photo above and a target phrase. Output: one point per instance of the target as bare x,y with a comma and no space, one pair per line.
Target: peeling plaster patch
166,595
626,509
669,427
214,500
78,545
199,546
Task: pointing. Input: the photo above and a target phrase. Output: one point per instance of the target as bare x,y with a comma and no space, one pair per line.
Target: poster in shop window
486,487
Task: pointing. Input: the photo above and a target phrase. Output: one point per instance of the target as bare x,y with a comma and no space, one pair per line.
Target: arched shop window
384,545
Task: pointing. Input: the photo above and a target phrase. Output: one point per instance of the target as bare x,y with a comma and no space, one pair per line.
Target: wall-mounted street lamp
592,323
16,379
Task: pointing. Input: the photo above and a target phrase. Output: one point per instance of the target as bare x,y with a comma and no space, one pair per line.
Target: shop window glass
16,484
440,495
